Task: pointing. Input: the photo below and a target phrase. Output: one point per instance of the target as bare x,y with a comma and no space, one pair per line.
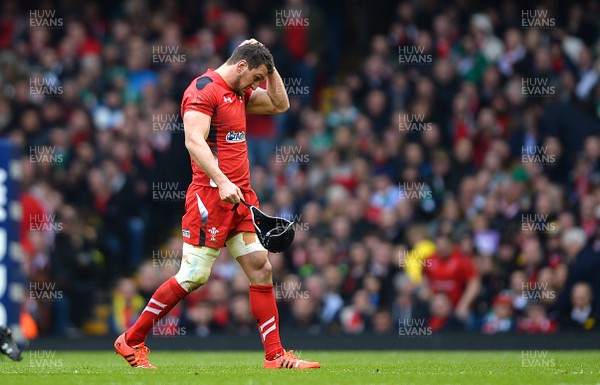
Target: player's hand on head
230,193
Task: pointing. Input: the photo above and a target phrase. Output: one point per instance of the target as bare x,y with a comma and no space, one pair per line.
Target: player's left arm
273,100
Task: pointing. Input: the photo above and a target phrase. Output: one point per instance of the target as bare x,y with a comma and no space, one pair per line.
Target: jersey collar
219,79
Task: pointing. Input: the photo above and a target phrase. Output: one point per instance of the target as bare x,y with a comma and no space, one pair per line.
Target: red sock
161,303
264,311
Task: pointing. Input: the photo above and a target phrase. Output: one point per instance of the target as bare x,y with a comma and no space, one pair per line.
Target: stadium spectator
583,266
500,319
201,318
536,321
454,274
441,316
582,316
127,304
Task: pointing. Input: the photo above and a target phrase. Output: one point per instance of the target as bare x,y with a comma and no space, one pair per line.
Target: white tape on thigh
237,244
196,263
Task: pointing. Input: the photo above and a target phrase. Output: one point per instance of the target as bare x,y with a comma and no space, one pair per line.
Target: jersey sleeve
201,97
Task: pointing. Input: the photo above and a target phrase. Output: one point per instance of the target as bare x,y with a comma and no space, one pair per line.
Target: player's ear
241,66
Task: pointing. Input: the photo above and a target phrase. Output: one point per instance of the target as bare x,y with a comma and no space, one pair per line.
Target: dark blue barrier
11,284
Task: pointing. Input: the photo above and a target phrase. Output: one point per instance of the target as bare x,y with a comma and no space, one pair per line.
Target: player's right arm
196,126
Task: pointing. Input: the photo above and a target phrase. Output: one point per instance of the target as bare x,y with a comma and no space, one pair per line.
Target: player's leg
204,224
196,264
253,258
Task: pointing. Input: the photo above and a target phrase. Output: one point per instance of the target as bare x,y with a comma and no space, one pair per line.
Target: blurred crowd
442,164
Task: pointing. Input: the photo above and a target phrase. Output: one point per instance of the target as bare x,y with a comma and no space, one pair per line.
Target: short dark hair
254,54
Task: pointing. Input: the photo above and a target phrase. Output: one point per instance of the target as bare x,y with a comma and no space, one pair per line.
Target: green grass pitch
344,368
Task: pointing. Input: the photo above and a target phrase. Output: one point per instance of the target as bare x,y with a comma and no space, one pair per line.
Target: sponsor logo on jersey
186,233
213,233
235,137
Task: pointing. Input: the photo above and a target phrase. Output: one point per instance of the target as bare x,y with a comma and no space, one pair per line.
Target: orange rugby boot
289,361
136,356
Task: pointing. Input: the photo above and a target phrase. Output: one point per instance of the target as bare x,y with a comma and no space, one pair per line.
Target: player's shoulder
202,88
201,83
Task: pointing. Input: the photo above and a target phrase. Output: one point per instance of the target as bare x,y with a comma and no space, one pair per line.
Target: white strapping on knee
196,263
238,247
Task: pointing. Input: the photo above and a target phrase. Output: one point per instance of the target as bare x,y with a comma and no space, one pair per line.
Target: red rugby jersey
211,95
450,275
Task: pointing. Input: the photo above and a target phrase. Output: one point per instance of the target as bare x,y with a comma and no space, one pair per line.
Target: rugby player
214,110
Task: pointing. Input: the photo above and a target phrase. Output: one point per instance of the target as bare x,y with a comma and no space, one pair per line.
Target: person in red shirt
440,314
536,321
450,272
214,110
